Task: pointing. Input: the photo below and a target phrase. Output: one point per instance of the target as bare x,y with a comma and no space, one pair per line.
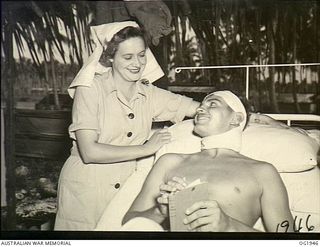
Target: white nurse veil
102,34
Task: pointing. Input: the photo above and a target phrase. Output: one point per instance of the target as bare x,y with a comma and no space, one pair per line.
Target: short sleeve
84,110
169,106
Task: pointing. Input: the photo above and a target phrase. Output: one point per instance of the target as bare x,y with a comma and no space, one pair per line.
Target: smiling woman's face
130,59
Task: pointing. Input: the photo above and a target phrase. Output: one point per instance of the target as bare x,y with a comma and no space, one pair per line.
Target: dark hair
248,107
113,44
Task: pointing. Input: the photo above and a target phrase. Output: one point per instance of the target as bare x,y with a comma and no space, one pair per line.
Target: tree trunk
54,80
271,28
179,58
236,30
46,72
259,71
184,47
317,44
217,11
294,58
282,34
63,79
10,123
202,44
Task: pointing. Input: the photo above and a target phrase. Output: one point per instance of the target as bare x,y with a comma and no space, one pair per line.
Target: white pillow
304,199
182,140
304,190
288,150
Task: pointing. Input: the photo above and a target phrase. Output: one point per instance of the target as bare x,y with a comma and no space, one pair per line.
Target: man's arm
274,201
145,205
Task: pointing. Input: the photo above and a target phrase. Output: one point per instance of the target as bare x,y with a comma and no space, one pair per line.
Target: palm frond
55,34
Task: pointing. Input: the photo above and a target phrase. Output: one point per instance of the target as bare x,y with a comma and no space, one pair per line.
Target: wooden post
10,124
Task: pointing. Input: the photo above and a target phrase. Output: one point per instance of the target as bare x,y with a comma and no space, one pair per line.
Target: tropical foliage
250,32
45,28
225,33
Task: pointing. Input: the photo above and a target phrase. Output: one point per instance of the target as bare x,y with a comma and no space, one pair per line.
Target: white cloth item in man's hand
101,35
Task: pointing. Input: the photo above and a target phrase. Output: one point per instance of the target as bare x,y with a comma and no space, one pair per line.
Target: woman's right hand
157,140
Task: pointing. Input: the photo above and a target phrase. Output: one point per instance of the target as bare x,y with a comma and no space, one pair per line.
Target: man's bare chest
233,186
228,181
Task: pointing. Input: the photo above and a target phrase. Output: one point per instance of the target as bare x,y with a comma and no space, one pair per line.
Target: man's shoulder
170,159
173,157
258,165
264,170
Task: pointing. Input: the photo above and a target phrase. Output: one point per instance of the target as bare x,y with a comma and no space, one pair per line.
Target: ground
36,185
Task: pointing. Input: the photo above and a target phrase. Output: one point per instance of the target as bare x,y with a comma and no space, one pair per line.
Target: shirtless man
240,189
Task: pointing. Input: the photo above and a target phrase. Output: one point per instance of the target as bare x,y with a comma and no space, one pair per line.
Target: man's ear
240,117
237,119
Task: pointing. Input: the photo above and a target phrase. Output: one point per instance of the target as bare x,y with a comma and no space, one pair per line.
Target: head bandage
233,102
231,139
101,35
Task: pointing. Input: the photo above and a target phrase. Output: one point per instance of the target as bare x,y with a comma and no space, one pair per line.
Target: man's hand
172,186
266,120
207,216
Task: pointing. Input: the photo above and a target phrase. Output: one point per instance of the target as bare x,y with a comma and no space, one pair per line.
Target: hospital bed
295,154
302,181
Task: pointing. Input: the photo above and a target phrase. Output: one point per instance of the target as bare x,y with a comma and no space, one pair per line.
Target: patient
240,189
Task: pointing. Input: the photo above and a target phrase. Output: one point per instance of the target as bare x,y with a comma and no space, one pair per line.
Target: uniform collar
110,84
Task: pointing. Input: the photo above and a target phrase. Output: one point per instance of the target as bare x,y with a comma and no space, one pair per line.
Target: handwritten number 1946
296,228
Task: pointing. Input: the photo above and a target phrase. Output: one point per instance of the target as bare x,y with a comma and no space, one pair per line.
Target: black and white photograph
176,119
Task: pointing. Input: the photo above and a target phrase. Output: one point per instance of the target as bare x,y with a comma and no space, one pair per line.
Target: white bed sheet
303,191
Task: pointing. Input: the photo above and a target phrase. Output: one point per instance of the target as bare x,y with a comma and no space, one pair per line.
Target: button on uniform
131,115
129,134
117,185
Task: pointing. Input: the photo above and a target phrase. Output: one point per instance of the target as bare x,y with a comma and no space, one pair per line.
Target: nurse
112,116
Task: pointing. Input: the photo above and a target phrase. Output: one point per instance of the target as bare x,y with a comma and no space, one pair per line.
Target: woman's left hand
206,216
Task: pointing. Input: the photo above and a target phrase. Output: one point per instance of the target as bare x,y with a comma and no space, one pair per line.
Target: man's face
213,117
130,59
